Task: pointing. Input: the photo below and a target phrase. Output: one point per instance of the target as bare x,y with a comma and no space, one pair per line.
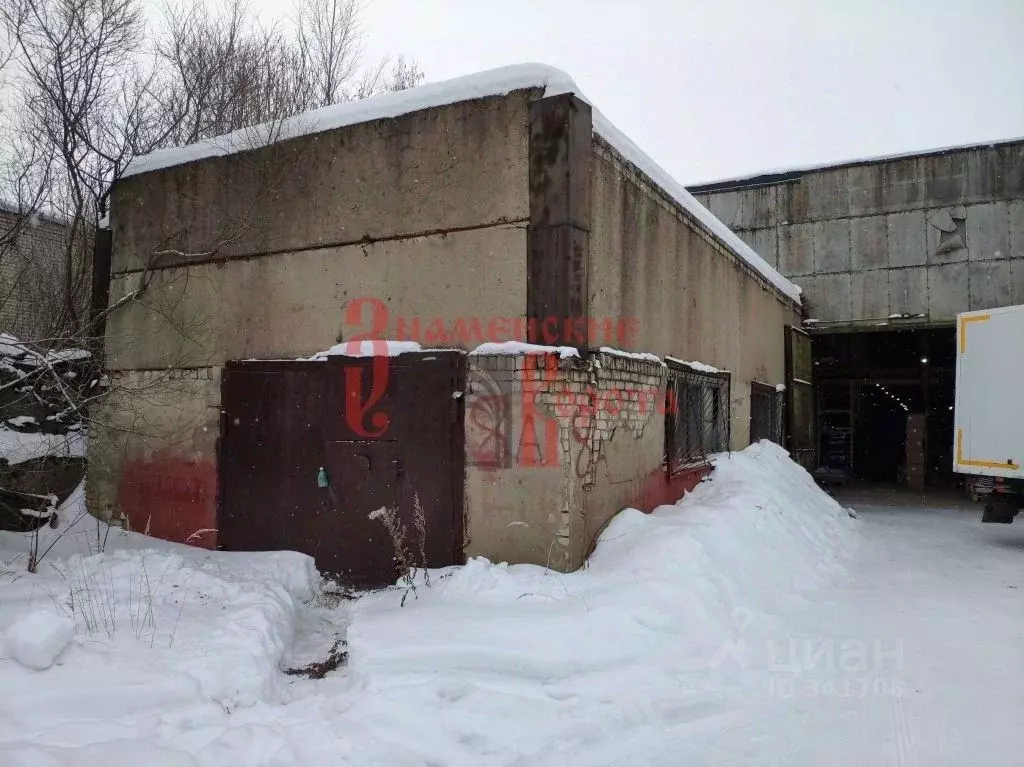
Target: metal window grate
766,409
697,417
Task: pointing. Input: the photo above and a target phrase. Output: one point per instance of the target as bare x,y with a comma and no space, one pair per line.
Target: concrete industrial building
454,215
887,252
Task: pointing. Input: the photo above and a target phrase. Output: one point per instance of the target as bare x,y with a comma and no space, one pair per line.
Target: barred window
766,411
696,417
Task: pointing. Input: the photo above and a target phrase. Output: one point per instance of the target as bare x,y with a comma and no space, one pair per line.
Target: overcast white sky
723,88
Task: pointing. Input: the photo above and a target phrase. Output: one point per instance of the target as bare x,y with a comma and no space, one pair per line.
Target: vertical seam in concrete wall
558,240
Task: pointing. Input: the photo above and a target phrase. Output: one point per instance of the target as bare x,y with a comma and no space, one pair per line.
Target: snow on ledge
698,366
494,82
366,349
645,356
519,347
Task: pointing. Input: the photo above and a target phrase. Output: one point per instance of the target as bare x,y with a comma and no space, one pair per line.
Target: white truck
988,426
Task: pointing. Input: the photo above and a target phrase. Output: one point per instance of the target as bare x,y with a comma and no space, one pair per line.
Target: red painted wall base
172,498
658,490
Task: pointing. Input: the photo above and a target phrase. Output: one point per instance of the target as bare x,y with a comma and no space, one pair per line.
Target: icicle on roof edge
495,82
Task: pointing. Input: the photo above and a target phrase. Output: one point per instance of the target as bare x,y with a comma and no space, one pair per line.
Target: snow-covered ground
754,623
18,446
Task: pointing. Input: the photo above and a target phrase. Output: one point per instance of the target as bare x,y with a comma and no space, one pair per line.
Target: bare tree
86,108
89,91
331,43
223,71
388,76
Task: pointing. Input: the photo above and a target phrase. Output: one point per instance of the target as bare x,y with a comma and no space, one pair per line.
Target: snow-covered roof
779,175
495,82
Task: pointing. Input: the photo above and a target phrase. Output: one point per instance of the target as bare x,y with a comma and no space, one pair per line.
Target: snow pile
623,661
548,666
158,628
755,537
220,630
37,639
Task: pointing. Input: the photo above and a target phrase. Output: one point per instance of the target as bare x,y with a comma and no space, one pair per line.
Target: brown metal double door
311,449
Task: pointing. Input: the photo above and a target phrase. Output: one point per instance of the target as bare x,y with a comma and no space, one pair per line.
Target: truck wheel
1000,509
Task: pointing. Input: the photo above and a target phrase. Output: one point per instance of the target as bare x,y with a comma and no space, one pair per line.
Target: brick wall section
32,280
544,425
28,269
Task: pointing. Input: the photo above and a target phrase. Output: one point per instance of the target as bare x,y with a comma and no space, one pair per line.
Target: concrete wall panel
869,294
1018,281
940,210
828,297
991,284
688,297
1015,215
1011,159
794,202
988,235
947,284
945,178
869,242
459,166
760,208
829,195
984,175
152,452
763,241
908,291
907,239
796,249
832,246
295,304
728,208
902,184
866,189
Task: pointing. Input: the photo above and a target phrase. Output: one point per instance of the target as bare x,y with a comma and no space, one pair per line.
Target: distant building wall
932,234
32,284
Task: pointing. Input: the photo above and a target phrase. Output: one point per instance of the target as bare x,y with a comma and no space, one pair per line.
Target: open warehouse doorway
885,405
